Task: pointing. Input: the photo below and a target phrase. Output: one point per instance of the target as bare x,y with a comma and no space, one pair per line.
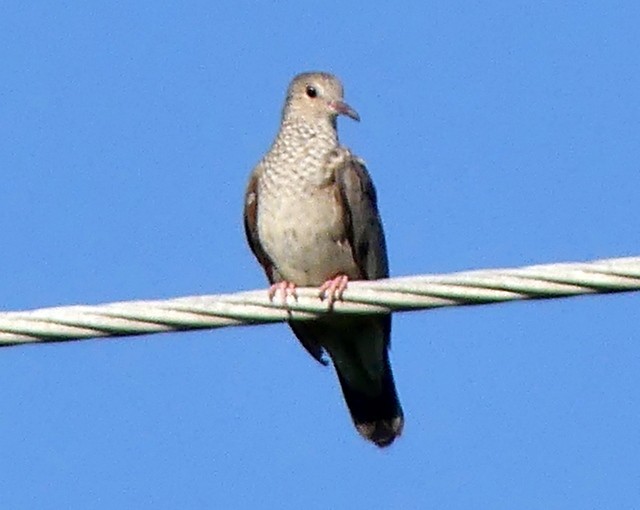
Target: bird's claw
286,289
333,289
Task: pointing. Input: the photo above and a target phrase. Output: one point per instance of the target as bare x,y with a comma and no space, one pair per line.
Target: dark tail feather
377,416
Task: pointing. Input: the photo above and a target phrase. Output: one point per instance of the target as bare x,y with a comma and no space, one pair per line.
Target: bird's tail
376,413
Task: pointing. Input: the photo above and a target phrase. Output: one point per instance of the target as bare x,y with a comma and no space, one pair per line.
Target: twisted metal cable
254,307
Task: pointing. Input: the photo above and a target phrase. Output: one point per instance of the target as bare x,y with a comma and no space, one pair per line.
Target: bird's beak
343,108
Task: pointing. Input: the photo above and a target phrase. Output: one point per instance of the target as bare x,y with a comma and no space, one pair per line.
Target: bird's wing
251,229
362,223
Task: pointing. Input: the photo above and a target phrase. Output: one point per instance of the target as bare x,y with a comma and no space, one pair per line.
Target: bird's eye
311,91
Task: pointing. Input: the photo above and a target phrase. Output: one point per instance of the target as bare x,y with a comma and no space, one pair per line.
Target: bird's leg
286,289
333,289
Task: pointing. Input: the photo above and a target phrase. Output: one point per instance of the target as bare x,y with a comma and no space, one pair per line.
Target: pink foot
286,289
333,289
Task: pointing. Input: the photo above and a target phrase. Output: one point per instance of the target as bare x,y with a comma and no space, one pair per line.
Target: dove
311,219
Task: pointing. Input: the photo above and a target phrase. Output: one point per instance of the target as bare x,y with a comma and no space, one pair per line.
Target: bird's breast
302,230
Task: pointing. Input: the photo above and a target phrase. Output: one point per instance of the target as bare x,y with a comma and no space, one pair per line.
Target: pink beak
343,108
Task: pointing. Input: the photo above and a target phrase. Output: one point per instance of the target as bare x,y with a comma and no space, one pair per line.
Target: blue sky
498,134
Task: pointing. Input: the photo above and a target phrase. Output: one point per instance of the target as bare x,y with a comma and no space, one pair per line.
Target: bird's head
317,96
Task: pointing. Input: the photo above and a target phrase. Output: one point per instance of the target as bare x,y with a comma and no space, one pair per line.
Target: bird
311,219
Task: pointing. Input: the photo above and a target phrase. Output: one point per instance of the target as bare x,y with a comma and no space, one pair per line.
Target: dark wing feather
363,225
251,229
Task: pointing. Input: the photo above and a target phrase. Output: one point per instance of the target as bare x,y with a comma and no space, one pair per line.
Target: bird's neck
302,138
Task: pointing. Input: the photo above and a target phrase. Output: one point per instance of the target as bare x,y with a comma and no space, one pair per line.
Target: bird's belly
304,237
